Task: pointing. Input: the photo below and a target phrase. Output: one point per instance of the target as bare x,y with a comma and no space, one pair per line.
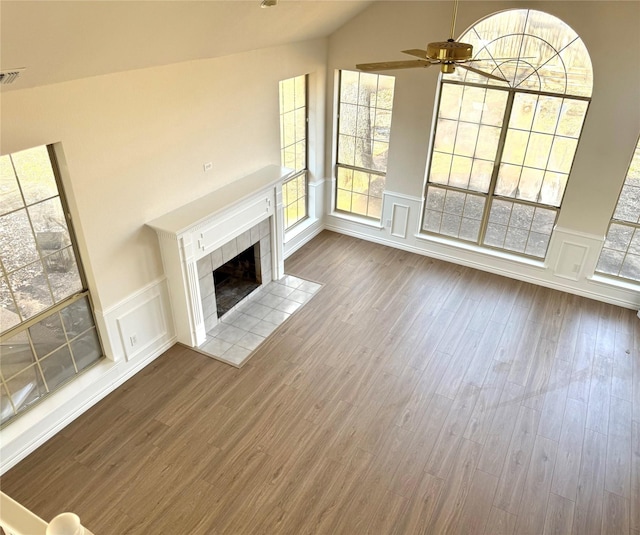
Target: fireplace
231,272
199,237
236,279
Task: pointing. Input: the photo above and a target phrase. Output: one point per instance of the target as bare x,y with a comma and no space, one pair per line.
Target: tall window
503,151
293,143
48,334
364,122
620,256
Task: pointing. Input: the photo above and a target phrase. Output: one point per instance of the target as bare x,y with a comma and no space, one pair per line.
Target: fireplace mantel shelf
190,215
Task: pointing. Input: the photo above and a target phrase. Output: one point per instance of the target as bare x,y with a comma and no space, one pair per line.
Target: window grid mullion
496,168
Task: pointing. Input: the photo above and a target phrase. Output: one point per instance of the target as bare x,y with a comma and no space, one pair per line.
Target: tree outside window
364,124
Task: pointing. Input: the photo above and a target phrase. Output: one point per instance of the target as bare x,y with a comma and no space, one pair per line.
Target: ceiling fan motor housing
449,51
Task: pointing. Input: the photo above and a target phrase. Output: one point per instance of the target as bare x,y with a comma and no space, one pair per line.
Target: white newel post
193,231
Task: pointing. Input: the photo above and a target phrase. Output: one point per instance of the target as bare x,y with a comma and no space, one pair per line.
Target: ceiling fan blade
391,65
489,60
482,73
422,54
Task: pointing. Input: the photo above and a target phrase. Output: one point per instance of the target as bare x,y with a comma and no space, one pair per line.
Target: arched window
502,152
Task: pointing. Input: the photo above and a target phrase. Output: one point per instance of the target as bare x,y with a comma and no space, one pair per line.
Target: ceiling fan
448,54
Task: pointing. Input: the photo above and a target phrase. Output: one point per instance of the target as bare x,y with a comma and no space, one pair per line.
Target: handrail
16,519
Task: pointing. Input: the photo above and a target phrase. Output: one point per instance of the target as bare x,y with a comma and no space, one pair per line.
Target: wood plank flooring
410,396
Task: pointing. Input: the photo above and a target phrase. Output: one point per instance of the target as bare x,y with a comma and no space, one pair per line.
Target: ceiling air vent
8,77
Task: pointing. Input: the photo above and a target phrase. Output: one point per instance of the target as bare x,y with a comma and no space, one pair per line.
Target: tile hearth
247,325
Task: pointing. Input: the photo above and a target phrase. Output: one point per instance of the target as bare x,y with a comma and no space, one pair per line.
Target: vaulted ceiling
59,41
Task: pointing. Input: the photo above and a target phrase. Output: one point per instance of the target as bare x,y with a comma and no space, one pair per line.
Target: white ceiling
59,41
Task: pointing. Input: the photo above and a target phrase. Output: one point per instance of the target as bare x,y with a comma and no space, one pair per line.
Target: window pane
440,168
359,204
628,208
553,188
480,176
26,388
343,200
445,135
9,314
86,349
450,101
519,228
472,104
466,139
382,126
58,368
386,88
530,184
47,335
508,180
10,196
572,117
610,262
347,122
30,289
515,147
77,317
487,143
375,207
16,355
349,86
631,267
523,111
33,168
619,237
460,172
6,409
495,104
562,154
547,113
453,213
346,150
17,245
538,151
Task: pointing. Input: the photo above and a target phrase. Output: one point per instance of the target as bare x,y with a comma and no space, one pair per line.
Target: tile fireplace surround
215,222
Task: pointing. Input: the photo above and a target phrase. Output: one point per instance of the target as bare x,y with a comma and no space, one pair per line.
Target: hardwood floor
409,396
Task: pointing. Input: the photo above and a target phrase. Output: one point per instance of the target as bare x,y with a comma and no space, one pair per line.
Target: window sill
357,219
471,248
299,228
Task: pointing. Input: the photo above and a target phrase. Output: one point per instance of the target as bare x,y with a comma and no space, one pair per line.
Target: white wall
133,148
609,136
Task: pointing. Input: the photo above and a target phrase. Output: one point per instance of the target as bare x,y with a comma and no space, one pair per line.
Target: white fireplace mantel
194,230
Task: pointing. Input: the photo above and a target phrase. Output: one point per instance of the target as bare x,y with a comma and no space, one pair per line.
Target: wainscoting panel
144,315
399,220
569,266
141,322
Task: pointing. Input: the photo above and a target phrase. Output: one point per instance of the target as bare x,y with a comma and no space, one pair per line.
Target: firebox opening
237,278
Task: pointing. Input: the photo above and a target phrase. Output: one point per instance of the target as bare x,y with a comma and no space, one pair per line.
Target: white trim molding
147,314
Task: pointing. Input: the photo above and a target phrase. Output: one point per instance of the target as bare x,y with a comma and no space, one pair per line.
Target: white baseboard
585,287
156,335
301,238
